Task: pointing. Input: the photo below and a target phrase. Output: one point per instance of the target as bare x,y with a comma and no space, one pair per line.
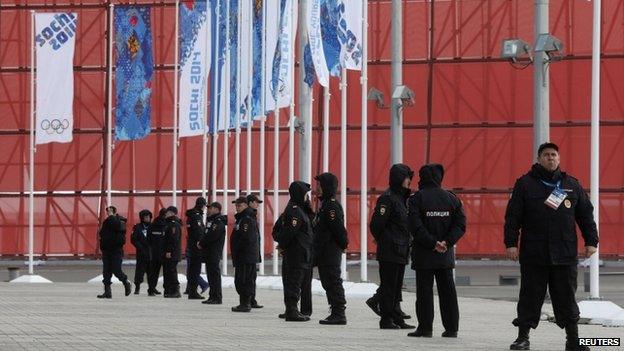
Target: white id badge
556,198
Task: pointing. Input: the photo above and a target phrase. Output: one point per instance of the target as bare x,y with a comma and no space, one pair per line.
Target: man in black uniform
195,230
330,241
211,245
156,239
139,240
244,245
112,239
172,253
294,234
389,228
437,221
254,203
542,212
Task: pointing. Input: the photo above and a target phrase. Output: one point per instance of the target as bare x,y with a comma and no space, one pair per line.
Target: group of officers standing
541,218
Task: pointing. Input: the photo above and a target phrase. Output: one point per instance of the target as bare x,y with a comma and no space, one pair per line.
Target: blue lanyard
552,185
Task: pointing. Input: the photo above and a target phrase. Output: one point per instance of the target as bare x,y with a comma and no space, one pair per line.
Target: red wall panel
472,113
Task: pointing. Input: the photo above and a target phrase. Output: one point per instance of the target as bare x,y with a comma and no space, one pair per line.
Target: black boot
254,303
293,315
337,317
194,295
176,293
572,337
401,313
212,302
243,306
373,304
522,342
387,324
282,315
107,292
137,288
401,323
128,287
419,333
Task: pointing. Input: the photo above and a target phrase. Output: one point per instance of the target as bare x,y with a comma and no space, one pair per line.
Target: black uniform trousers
192,273
213,273
153,272
332,283
397,307
447,295
170,276
142,267
389,292
111,264
293,281
561,283
306,292
244,281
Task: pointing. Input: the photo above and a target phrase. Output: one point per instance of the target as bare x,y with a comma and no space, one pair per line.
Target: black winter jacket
195,229
330,235
548,236
139,240
214,238
173,238
156,237
434,215
293,230
244,242
113,233
389,222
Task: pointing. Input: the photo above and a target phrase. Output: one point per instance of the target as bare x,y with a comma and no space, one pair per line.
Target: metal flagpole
305,101
31,181
250,103
176,78
109,131
326,97
215,105
396,112
291,112
238,104
262,136
343,159
275,185
226,130
541,99
364,160
205,134
594,274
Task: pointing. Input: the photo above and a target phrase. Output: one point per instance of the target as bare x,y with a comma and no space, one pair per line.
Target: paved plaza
67,316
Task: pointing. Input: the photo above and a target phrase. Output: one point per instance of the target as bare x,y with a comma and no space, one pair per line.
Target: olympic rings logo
54,126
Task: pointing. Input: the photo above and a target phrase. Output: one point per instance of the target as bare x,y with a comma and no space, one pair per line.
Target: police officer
293,232
389,228
172,253
155,239
330,241
244,245
139,240
545,205
437,221
254,203
195,230
211,245
112,239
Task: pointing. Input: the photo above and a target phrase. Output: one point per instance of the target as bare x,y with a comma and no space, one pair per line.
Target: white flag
271,32
350,34
194,67
281,82
316,41
55,35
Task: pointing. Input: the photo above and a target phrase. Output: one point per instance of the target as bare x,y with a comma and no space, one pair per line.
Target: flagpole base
601,312
30,278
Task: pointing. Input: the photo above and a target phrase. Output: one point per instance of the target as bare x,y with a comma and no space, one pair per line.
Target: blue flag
257,75
331,11
134,71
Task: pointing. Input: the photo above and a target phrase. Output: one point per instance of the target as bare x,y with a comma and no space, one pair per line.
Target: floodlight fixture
516,50
550,45
376,95
405,94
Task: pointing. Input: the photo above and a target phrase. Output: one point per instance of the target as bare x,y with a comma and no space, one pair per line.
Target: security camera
405,94
375,95
550,45
516,50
